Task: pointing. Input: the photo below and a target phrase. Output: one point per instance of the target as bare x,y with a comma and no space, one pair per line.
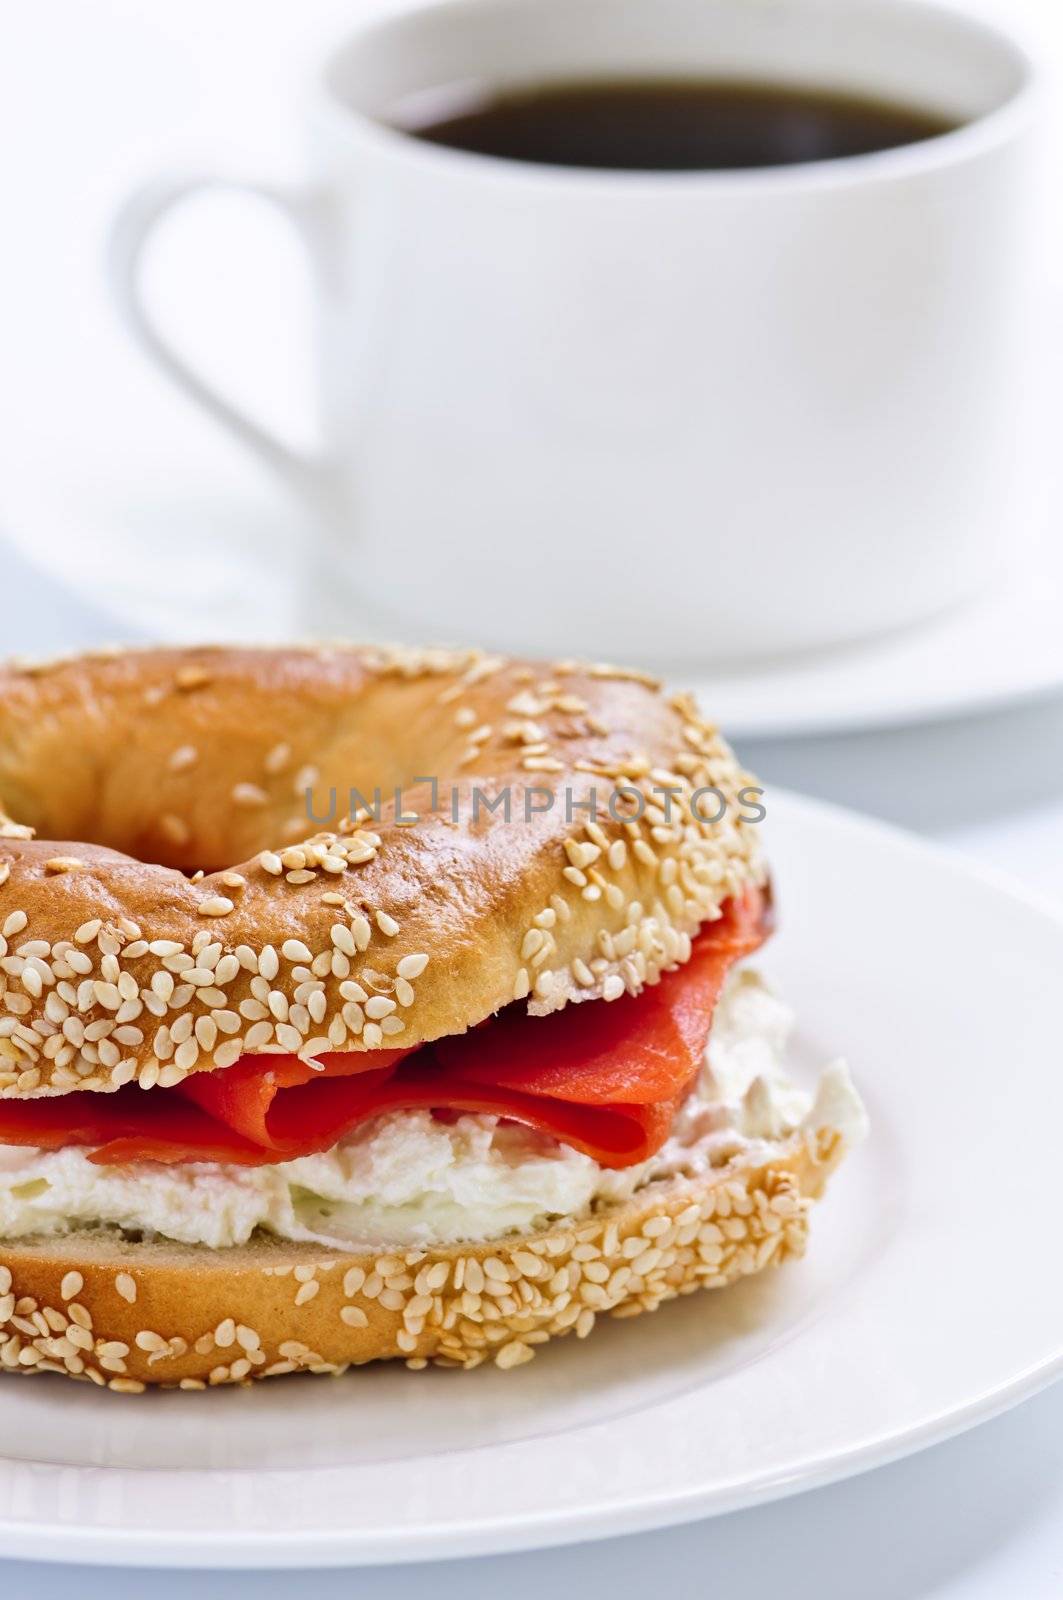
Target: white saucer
1005,647
232,558
929,1299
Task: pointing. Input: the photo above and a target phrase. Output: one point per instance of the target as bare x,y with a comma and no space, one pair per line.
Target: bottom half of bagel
445,1241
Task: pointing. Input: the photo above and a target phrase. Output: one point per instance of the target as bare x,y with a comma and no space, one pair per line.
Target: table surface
980,1516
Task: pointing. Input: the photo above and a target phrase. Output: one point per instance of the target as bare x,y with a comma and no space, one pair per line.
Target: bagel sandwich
364,1003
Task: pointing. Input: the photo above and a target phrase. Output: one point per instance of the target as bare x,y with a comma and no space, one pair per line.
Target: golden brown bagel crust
96,1306
367,935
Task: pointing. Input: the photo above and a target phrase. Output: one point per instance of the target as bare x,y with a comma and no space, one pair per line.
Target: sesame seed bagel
95,1306
169,904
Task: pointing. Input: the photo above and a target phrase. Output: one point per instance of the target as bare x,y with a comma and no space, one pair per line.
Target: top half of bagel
215,852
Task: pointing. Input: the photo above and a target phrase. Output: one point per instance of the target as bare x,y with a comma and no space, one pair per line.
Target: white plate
930,1298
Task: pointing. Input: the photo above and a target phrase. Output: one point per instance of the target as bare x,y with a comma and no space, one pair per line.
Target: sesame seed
513,1354
126,1287
227,1054
174,829
206,1031
387,925
216,905
191,677
248,794
71,1286
60,864
412,966
343,938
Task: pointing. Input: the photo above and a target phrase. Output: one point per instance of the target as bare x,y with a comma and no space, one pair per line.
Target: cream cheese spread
407,1179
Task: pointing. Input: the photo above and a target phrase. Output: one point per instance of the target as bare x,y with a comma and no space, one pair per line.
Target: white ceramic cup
682,416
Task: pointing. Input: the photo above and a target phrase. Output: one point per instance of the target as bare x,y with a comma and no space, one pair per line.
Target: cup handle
131,229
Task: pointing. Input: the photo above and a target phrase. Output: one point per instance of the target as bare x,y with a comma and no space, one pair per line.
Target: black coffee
676,125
